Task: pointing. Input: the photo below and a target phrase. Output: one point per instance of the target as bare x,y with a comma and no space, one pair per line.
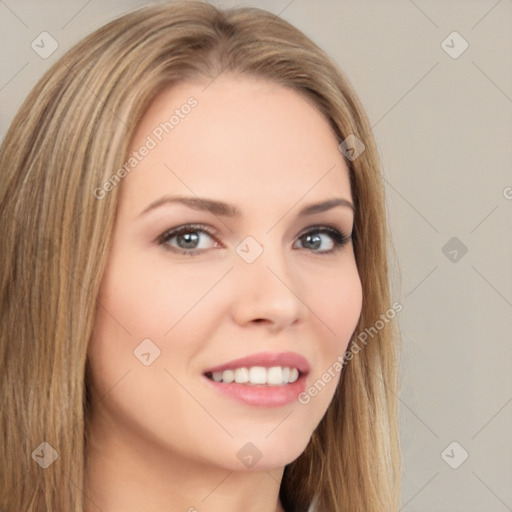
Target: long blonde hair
70,134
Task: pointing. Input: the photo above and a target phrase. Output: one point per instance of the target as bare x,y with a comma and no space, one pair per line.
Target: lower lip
259,395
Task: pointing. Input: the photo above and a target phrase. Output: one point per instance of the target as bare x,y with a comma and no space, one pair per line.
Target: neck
125,474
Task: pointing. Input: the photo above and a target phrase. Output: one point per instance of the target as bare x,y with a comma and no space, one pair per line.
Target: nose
267,293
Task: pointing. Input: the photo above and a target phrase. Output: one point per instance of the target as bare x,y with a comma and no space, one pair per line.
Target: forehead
237,136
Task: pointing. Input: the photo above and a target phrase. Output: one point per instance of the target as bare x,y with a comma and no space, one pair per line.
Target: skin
160,437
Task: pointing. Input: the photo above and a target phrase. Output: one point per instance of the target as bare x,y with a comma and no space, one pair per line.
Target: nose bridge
267,286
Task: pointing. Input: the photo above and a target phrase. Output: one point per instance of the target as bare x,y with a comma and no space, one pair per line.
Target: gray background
443,126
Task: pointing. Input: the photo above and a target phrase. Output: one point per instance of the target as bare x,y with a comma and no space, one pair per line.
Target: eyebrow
227,210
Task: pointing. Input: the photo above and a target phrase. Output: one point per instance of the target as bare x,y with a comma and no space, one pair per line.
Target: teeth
258,375
228,376
274,376
241,375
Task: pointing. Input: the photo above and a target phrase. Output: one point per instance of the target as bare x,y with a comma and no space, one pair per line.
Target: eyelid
170,233
326,226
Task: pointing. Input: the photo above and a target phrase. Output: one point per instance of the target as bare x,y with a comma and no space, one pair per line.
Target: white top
312,507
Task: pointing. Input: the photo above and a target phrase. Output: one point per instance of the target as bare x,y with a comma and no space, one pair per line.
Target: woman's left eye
314,238
187,239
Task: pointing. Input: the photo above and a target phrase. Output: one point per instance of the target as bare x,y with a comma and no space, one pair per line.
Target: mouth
265,379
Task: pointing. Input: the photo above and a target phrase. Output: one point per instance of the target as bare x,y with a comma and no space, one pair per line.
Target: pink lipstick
264,379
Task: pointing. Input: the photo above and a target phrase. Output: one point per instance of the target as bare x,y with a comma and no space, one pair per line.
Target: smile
264,379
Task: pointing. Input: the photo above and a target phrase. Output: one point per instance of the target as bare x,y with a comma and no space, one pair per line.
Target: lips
268,394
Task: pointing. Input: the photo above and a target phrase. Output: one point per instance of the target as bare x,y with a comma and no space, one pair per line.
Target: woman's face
191,287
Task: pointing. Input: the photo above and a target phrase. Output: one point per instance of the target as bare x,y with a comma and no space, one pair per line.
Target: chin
264,451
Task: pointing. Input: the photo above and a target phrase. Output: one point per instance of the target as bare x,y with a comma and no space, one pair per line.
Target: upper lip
267,360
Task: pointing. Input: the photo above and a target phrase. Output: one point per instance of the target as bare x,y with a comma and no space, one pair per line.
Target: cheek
125,316
338,305
139,302
149,301
336,308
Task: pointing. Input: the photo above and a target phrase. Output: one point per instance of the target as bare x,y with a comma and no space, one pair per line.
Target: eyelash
340,239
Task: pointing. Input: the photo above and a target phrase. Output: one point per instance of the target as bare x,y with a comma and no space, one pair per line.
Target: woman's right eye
187,239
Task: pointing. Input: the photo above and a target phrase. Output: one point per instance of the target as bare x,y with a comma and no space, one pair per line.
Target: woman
194,240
